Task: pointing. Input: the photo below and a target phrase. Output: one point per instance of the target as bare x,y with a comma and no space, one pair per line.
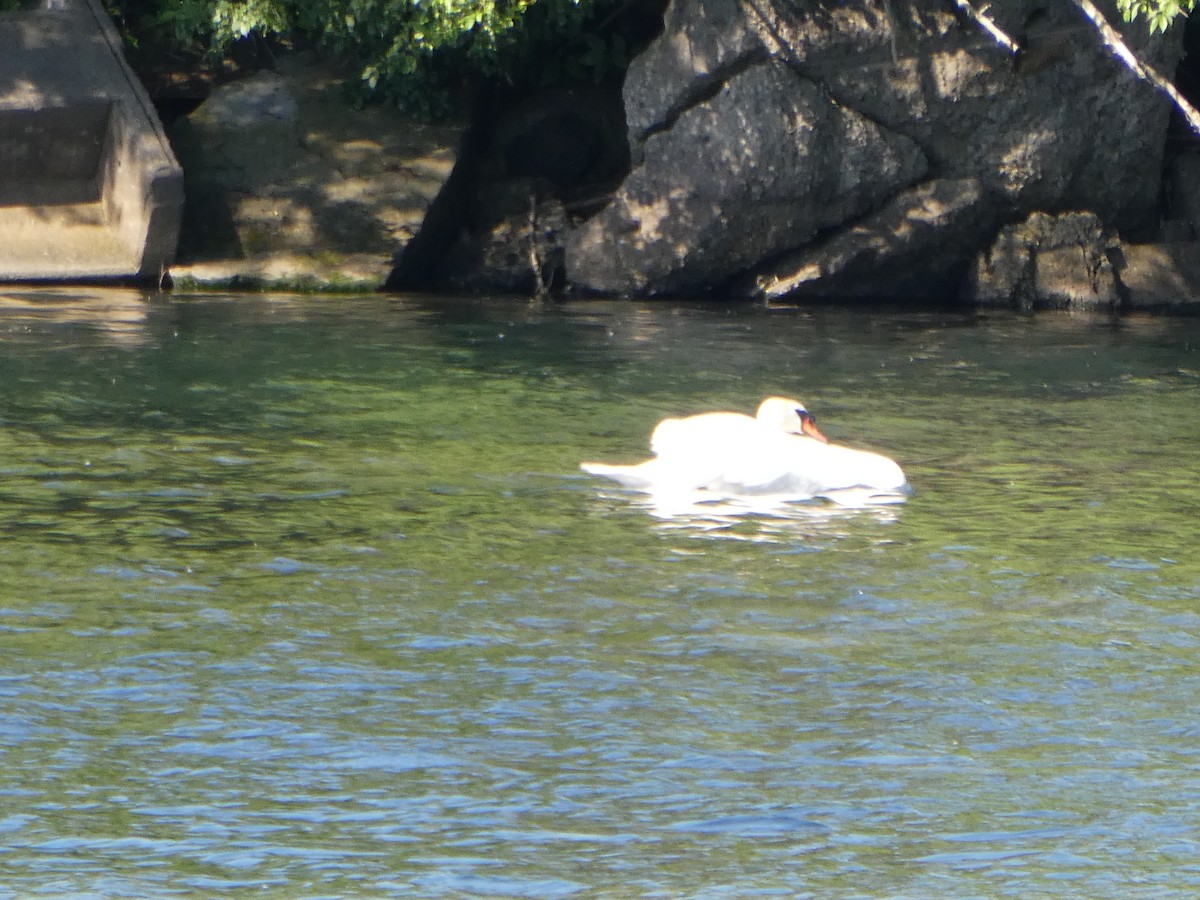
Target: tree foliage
1159,14
416,52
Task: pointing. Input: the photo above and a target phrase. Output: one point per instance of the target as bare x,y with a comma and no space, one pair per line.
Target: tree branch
984,21
1112,41
1118,48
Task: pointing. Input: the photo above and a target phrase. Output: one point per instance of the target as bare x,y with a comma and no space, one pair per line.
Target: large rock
757,169
1063,127
915,245
246,135
1069,261
701,44
1047,262
1160,277
705,42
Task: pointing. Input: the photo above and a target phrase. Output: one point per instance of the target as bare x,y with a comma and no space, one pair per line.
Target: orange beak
809,426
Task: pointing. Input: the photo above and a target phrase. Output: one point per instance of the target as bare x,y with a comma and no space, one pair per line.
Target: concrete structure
89,187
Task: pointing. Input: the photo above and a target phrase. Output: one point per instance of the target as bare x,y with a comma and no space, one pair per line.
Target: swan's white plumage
772,453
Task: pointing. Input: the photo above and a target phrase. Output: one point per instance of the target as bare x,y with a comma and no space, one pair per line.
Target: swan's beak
809,426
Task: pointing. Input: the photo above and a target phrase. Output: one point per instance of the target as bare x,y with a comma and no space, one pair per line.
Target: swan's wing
801,467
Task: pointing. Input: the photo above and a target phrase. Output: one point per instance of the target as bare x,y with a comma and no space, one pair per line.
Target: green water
306,597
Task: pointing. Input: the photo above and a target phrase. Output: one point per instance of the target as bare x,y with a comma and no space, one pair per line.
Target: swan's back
734,453
710,434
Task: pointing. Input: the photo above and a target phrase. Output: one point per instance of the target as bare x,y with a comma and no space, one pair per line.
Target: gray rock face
249,131
1068,261
1160,277
1064,127
757,169
1047,262
262,98
918,241
719,191
703,41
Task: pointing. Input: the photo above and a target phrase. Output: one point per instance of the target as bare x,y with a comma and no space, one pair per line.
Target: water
305,597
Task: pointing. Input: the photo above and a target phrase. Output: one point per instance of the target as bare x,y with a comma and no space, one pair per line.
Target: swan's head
790,416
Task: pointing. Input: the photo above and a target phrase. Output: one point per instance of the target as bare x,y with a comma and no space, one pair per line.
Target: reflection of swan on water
757,463
767,522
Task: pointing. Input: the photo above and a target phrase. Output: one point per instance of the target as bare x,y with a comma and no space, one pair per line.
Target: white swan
779,453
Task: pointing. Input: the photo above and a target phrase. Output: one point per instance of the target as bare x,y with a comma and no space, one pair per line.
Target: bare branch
540,291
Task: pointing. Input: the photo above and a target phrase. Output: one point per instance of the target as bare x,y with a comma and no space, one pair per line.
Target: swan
778,452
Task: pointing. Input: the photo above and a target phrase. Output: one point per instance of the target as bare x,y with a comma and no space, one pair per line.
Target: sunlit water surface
306,597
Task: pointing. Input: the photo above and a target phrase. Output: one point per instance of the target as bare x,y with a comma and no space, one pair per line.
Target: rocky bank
868,150
289,186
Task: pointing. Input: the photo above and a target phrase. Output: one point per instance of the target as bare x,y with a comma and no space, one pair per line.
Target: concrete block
89,186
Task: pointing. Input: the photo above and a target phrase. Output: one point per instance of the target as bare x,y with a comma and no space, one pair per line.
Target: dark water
305,597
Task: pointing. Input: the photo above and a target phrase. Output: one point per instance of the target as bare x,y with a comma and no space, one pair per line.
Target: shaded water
306,597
